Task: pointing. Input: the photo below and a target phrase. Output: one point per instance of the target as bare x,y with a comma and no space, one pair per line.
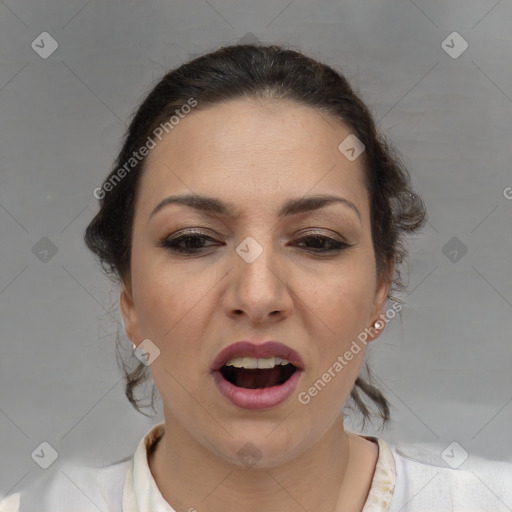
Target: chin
261,450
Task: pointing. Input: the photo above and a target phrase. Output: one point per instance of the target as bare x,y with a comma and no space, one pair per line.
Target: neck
191,476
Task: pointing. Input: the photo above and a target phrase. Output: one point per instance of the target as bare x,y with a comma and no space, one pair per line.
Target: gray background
445,365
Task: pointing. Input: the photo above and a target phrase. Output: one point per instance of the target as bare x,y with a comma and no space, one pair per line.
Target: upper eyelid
338,221
309,231
308,234
335,246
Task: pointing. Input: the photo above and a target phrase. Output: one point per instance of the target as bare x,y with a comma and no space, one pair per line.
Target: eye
320,243
192,243
195,242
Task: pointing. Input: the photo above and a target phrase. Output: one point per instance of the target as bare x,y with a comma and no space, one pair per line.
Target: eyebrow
218,207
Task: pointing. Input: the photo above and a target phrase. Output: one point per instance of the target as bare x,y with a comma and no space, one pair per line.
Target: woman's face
305,277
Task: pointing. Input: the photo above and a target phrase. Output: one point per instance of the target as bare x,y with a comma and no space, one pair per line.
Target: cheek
171,307
174,307
168,296
341,301
343,297
341,312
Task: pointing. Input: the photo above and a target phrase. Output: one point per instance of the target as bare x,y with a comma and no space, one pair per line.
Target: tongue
258,378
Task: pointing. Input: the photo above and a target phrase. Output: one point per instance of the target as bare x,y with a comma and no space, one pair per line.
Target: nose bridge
258,286
257,257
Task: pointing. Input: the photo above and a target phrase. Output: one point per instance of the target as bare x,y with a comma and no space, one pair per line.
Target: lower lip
256,399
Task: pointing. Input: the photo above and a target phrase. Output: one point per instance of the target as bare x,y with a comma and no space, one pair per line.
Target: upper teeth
254,362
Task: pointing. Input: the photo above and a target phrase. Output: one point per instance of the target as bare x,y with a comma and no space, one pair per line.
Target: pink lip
261,398
263,350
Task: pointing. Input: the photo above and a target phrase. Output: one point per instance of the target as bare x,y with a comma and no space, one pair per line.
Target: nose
258,289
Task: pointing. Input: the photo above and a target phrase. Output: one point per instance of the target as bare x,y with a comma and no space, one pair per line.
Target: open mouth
257,378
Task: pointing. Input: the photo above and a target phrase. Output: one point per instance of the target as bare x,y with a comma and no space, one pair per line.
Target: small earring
378,324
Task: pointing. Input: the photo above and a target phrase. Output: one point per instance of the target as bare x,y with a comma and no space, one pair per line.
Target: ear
384,284
129,313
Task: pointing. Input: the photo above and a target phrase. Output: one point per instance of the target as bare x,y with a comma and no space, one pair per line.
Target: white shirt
399,484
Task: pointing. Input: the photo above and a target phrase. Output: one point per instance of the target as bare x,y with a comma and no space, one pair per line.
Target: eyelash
173,244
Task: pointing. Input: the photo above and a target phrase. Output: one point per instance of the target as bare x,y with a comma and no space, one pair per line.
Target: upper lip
258,350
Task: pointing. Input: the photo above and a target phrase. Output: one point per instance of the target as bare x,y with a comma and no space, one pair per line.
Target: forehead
249,149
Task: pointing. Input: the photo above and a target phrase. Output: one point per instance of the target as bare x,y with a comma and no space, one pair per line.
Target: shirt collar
141,494
383,482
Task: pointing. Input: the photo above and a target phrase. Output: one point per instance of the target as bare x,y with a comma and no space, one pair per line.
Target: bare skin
256,156
355,477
